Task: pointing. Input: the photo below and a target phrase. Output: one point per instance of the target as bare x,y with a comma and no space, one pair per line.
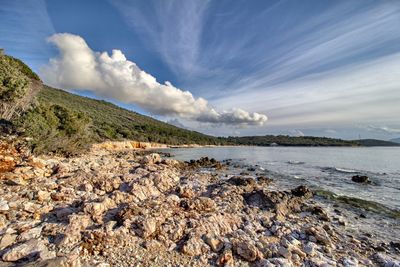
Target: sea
328,171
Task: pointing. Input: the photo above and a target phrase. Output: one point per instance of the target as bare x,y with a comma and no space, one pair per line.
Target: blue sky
329,68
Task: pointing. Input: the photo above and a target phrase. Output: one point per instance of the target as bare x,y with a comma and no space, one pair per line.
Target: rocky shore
134,208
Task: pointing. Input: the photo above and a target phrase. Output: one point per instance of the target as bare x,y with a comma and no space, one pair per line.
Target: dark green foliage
285,140
24,68
54,128
13,83
375,142
18,86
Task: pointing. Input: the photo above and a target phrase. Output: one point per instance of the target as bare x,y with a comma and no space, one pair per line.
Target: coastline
124,208
137,145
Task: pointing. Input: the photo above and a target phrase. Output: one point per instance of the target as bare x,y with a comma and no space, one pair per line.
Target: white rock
350,262
30,234
309,249
4,205
284,252
6,240
386,261
29,248
153,158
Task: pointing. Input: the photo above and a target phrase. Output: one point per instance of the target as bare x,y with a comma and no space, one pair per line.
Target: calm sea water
325,168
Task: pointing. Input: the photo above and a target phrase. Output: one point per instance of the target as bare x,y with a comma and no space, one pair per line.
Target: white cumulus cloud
79,67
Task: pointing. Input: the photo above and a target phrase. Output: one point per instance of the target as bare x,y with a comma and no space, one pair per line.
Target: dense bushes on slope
54,128
110,122
18,85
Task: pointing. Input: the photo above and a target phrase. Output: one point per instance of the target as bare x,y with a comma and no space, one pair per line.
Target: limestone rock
148,227
215,244
4,205
226,258
153,158
320,235
97,209
28,249
72,233
43,196
31,207
194,247
7,240
203,204
309,249
30,234
247,250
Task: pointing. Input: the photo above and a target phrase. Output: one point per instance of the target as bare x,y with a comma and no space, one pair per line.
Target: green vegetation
13,83
63,122
54,128
18,85
375,142
285,140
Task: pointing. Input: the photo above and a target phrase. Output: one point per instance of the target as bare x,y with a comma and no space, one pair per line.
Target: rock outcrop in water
129,209
362,179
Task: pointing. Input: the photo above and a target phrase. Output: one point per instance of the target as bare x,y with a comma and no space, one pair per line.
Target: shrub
17,90
56,129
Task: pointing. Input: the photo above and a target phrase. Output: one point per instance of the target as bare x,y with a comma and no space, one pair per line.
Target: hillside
81,121
395,140
375,142
284,140
58,121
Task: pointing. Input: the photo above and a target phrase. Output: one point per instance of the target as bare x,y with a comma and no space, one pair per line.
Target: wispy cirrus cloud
311,64
173,28
353,94
24,27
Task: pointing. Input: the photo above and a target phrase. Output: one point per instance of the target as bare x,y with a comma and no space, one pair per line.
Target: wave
295,162
346,170
341,170
360,203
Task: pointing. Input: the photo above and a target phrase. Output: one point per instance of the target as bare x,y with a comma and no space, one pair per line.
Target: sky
325,68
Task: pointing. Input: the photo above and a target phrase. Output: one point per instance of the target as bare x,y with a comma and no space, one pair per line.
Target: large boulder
32,248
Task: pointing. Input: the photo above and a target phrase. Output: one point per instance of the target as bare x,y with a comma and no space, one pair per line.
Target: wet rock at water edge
241,181
302,191
362,179
205,162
